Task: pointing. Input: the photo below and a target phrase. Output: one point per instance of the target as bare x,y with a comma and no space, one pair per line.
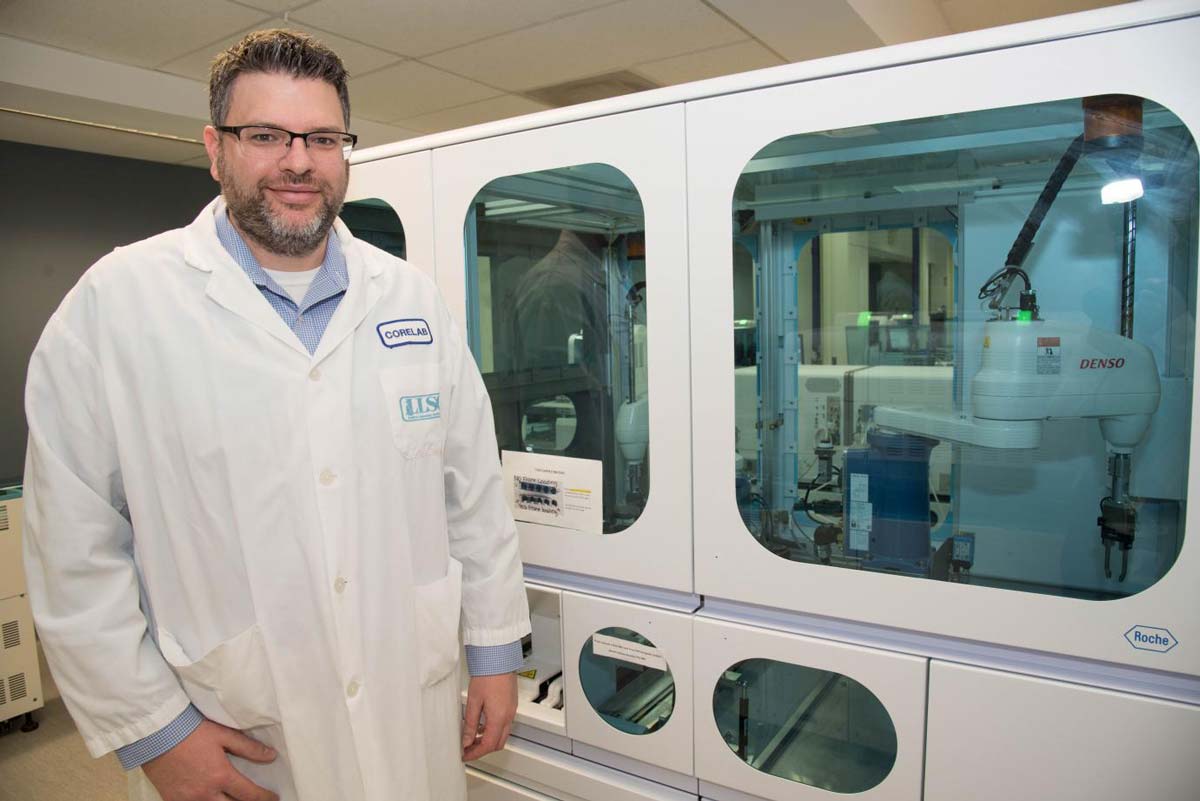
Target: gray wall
60,211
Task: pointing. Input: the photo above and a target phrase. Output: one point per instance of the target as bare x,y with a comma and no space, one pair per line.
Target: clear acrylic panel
375,221
815,727
964,346
627,680
557,305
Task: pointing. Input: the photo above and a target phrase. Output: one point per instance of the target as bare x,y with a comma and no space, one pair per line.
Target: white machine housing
1042,369
1036,370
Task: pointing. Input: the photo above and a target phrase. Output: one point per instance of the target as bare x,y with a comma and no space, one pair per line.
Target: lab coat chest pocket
231,684
413,397
438,607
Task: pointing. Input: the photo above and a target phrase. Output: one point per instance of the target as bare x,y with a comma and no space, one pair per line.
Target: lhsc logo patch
409,331
421,407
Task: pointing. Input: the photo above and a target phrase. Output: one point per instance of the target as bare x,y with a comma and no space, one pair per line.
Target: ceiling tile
138,32
800,31
420,27
496,108
94,140
605,39
970,15
896,22
275,6
726,60
410,89
358,58
372,134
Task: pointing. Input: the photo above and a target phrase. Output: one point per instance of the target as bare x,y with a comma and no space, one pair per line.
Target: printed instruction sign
626,651
1049,355
555,490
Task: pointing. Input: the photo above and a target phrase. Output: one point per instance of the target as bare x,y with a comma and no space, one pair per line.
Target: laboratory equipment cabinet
845,411
20,675
400,188
561,251
953,405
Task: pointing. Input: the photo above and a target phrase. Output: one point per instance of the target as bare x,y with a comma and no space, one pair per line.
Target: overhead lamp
1122,190
1112,131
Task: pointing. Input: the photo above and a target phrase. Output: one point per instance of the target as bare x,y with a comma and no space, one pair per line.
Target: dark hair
275,51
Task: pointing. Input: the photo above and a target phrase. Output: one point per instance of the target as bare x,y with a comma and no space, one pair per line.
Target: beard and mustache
254,216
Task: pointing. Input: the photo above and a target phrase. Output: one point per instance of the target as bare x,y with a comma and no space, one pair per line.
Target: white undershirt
295,283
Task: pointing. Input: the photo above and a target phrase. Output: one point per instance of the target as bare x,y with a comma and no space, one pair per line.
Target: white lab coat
215,516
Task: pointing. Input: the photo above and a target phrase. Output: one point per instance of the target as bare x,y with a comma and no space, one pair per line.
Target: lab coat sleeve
482,534
78,549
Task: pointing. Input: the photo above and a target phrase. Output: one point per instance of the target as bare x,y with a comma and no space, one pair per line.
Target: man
262,483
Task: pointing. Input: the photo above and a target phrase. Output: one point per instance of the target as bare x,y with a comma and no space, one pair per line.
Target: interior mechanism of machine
938,370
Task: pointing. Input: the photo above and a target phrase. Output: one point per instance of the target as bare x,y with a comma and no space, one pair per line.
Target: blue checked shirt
308,321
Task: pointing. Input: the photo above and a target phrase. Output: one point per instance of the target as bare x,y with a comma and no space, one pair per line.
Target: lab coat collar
231,288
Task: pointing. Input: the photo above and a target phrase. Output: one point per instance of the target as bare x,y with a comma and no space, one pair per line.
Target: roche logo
1151,638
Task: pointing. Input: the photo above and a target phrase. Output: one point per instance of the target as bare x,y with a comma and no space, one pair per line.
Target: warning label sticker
1049,356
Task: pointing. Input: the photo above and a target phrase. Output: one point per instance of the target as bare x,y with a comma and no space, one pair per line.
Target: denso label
1101,364
409,331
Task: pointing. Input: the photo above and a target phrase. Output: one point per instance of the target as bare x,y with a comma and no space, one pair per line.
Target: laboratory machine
20,673
975,359
560,251
846,411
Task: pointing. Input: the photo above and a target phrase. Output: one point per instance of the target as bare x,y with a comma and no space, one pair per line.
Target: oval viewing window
548,426
627,681
815,727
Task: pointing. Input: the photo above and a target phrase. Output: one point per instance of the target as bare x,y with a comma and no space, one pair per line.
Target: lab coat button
352,689
328,477
339,585
314,374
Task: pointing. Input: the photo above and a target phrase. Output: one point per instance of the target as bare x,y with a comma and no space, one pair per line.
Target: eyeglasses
276,142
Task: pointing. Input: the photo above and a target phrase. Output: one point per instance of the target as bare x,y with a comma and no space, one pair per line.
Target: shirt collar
332,277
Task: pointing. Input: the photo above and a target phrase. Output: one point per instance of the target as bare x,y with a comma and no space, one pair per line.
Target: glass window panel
557,305
805,725
970,362
627,680
375,221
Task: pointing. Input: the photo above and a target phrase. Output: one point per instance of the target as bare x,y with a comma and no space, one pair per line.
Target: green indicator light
864,319
1024,316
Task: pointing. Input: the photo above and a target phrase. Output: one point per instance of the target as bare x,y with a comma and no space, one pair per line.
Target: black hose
1024,241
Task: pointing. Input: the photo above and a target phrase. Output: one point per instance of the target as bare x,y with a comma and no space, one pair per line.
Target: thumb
245,747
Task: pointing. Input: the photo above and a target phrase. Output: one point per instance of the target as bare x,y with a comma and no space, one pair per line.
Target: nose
297,158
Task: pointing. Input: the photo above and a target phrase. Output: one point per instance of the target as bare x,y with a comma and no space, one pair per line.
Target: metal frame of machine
910,642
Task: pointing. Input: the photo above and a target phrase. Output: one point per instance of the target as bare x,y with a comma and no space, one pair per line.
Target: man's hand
491,707
198,770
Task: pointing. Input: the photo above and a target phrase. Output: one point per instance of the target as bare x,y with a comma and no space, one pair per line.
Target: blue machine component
887,502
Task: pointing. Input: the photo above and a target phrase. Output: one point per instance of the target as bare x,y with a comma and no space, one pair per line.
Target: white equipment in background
20,676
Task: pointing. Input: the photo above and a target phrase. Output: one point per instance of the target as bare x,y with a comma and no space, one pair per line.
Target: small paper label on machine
860,485
1049,355
858,535
626,651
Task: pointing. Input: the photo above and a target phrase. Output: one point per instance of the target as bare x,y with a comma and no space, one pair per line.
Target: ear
212,143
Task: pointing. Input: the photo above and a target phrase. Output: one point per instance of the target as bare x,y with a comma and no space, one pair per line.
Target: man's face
285,203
